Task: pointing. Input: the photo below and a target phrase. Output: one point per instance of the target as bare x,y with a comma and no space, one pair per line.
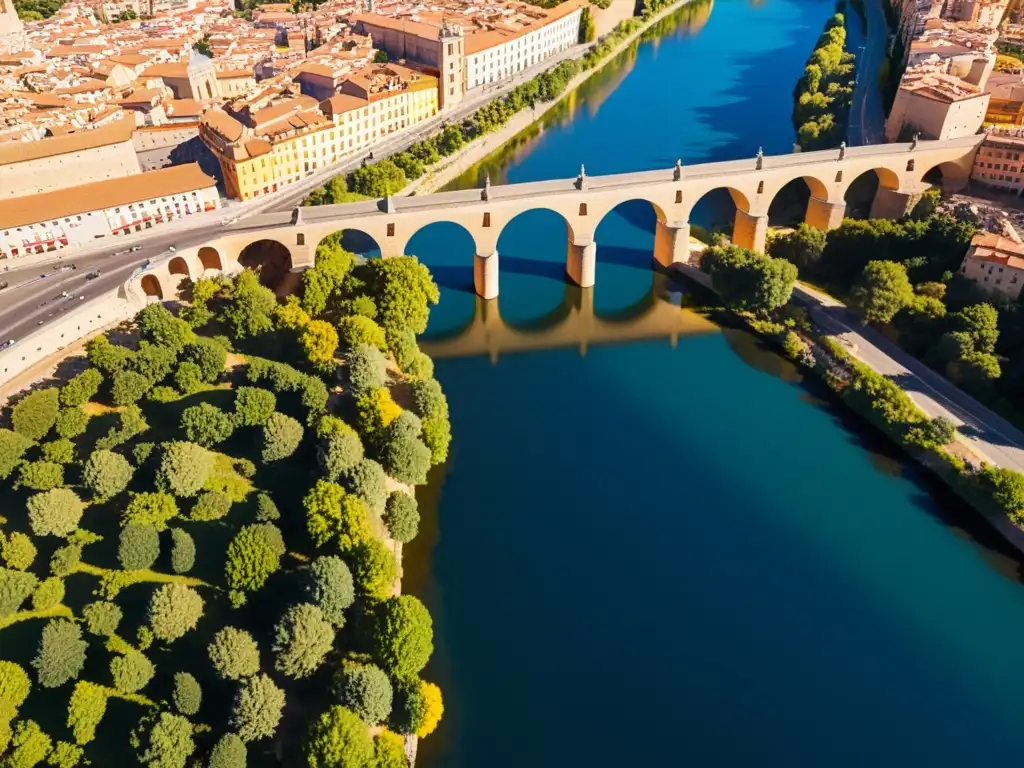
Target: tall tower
451,63
11,29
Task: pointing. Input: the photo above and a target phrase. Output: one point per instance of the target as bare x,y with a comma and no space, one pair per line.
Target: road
987,434
22,315
867,112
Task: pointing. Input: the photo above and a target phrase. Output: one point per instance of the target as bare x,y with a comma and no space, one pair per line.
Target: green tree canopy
139,546
187,696
365,689
234,653
401,635
257,709
882,291
184,468
338,739
61,655
14,683
86,708
107,473
302,639
403,290
251,559
150,508
164,740
374,569
206,424
81,389
174,609
253,406
36,413
228,752
331,513
328,583
131,672
281,436
55,513
102,618
402,517
183,551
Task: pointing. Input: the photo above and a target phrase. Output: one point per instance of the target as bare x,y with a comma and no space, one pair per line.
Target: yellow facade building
262,150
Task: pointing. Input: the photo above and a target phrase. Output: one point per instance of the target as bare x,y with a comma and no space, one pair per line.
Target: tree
29,745
154,361
65,755
802,247
747,280
234,654
86,708
49,593
209,355
251,307
411,165
131,672
61,655
266,509
17,551
12,447
105,356
210,505
81,388
313,394
251,559
128,387
882,290
432,710
183,551
338,739
333,514
302,639
403,454
389,748
291,315
71,422
187,694
14,684
281,436
35,414
402,517
159,326
328,583
228,752
40,475
206,424
319,340
403,290
355,330
15,587
188,378
401,635
981,323
374,569
257,709
365,689
102,618
60,451
139,546
55,513
375,411
184,468
253,406
174,609
380,57
164,740
368,480
381,179
367,368
340,452
150,508
106,474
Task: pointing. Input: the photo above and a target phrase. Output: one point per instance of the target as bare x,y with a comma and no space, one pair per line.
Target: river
653,544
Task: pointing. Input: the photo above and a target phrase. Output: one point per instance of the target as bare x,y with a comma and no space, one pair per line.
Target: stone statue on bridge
760,158
581,180
842,149
486,194
913,140
677,174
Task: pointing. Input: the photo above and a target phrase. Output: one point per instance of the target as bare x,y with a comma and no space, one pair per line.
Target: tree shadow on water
454,278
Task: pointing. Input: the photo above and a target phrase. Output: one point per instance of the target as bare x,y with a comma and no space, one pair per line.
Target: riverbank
836,363
451,167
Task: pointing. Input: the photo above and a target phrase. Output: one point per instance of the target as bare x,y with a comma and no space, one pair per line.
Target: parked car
93,275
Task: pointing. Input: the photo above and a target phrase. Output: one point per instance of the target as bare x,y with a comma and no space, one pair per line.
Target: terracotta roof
86,86
176,70
184,108
341,103
142,96
257,147
99,195
222,123
129,59
23,151
227,74
996,249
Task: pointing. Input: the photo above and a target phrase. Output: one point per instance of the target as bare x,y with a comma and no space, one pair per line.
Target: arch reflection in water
447,250
659,314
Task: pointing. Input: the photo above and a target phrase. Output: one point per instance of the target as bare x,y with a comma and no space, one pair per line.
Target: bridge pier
892,204
825,214
485,275
672,243
750,232
581,262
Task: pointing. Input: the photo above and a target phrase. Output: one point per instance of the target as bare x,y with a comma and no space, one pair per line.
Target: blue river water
652,543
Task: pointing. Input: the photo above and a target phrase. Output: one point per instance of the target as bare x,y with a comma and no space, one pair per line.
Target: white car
171,249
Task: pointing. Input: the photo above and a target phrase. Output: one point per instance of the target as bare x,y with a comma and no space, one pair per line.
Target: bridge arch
358,240
447,248
270,258
178,266
151,286
948,175
627,237
789,204
859,191
210,259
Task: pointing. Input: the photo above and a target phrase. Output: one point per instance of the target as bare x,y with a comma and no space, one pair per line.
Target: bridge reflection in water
660,314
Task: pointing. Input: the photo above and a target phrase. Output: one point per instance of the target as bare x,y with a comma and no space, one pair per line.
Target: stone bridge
583,202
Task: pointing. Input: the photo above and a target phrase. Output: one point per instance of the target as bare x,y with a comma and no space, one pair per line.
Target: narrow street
867,112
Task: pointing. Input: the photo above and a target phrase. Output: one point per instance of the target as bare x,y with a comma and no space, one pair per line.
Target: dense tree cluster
747,280
823,94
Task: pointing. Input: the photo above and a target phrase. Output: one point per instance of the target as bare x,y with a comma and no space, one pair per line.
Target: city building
996,264
997,163
81,214
266,144
194,79
32,167
11,28
476,46
935,105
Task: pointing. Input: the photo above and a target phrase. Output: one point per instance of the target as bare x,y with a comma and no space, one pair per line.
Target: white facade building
505,60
